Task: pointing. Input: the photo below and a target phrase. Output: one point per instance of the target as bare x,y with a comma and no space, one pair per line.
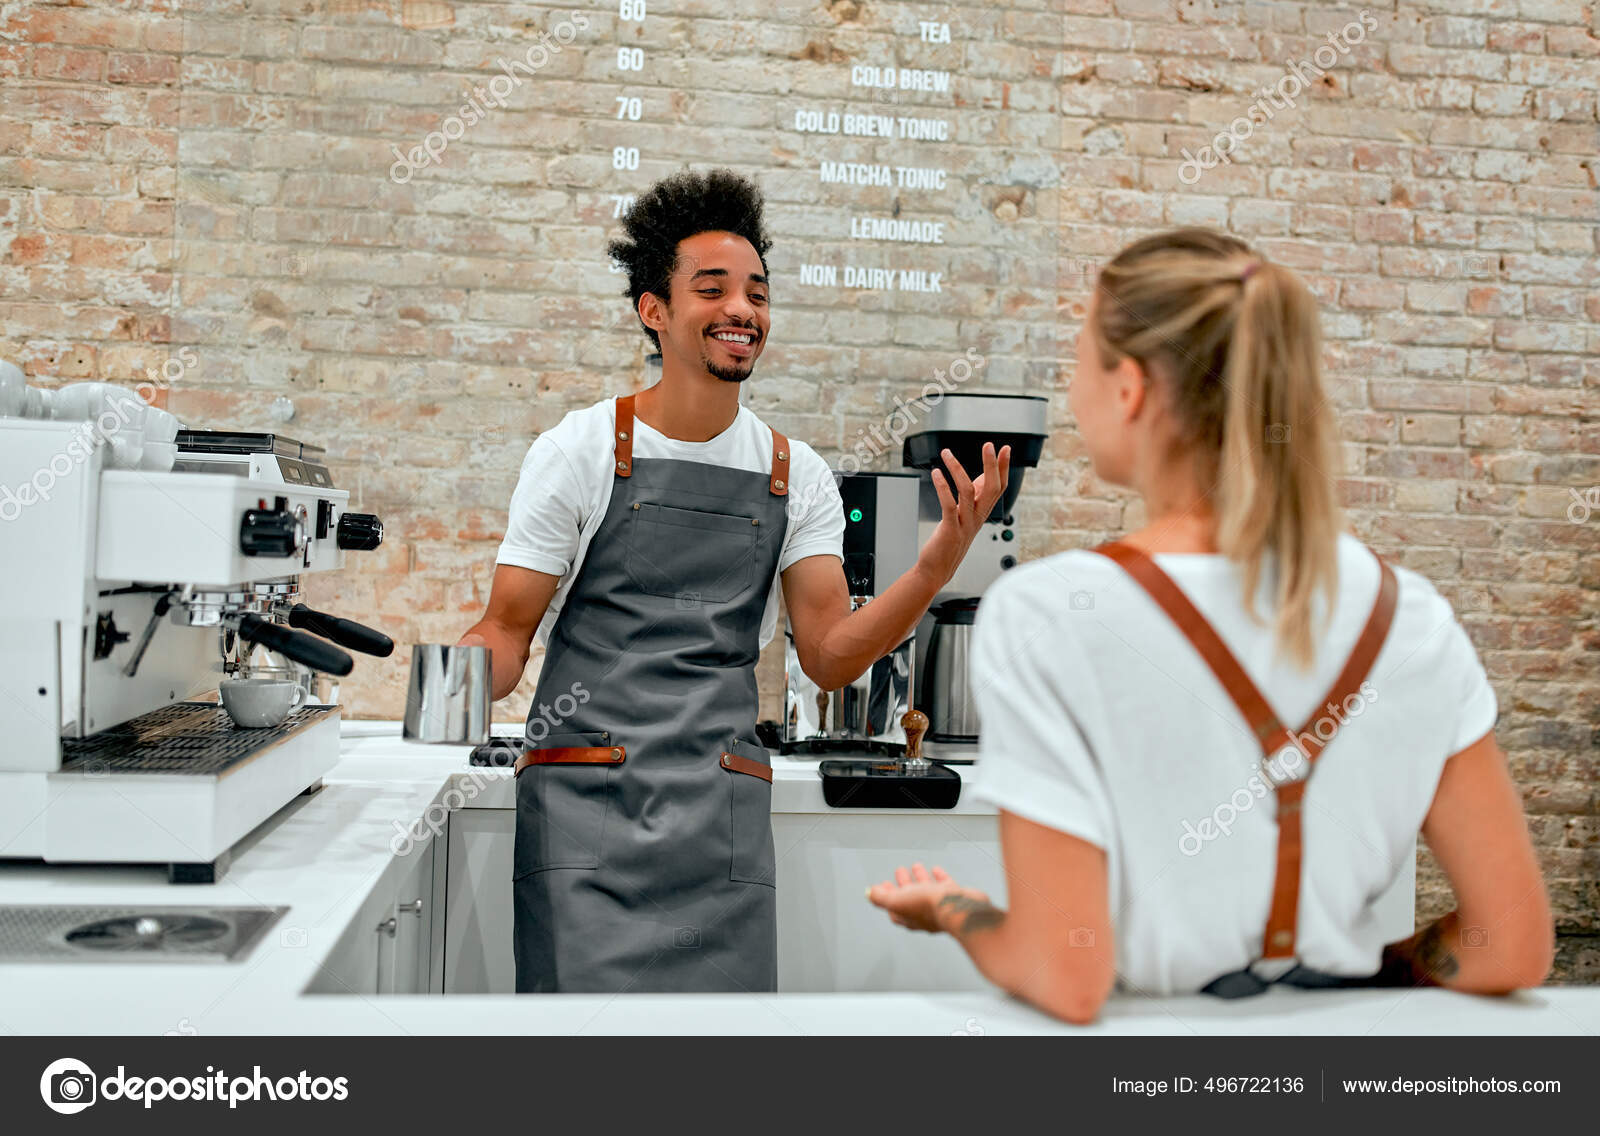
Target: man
645,540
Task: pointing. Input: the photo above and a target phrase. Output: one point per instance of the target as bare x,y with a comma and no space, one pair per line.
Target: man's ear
653,312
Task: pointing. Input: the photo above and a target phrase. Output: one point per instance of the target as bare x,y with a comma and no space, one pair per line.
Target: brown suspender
778,478
1274,738
624,438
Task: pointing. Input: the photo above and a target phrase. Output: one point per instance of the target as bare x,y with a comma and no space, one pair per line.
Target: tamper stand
912,782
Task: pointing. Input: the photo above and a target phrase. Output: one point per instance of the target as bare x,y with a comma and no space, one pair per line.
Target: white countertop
796,785
322,855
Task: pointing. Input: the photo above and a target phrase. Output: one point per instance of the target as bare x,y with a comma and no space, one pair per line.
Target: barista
646,539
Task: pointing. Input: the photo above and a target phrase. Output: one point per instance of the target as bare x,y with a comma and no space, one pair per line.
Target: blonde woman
1213,742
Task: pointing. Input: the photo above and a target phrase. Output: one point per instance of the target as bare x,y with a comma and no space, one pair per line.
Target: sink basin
51,933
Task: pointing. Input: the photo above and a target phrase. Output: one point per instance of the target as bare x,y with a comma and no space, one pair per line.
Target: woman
1142,704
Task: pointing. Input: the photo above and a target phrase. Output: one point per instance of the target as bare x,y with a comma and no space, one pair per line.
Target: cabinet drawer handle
412,908
389,926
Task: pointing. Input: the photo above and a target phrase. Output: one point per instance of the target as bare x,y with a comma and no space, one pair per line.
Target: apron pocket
750,787
561,808
691,555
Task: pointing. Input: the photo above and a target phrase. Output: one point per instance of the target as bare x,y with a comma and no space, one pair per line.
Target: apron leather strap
571,755
624,436
1278,940
737,764
779,477
1269,732
1282,919
780,464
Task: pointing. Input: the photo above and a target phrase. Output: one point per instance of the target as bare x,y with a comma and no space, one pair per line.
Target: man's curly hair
675,208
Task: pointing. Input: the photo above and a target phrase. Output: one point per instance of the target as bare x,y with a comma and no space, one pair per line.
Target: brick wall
217,176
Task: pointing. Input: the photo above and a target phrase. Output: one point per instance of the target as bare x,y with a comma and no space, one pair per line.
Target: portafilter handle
345,632
307,650
915,724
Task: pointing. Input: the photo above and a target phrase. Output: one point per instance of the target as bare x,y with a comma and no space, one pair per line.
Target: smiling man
647,538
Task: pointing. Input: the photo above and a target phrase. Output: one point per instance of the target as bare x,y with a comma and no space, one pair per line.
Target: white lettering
924,129
853,173
896,229
819,275
919,177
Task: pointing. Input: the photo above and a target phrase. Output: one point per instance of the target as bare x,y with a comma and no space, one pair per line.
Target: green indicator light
855,514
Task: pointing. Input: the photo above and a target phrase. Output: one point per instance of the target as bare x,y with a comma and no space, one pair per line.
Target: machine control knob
361,532
1007,562
270,532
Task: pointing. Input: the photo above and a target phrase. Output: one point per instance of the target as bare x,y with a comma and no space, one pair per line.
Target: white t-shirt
1100,720
565,488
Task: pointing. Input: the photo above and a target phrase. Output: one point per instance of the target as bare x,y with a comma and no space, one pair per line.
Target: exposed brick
219,177
142,70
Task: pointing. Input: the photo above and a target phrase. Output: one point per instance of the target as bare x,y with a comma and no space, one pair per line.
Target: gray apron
644,857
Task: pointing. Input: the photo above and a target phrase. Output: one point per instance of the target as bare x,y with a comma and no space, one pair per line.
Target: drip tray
128,934
195,739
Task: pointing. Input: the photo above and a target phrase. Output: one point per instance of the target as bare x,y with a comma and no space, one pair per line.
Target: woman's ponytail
1275,491
1237,339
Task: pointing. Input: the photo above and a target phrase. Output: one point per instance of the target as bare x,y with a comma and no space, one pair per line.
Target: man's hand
962,513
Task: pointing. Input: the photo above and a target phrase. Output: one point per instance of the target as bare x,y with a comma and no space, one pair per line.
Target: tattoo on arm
975,914
1433,955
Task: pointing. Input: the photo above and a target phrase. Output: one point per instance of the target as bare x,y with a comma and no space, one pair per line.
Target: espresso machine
126,594
880,545
962,423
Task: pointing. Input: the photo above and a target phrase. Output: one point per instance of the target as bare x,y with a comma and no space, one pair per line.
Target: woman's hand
920,901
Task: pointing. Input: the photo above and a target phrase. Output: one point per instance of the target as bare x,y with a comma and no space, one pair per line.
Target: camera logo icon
1081,601
68,1086
1081,937
686,938
687,601
1277,434
1474,938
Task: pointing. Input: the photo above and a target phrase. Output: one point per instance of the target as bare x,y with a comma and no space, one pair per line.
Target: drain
82,934
160,932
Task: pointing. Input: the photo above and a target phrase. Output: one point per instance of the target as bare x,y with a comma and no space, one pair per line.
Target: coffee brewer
124,595
962,423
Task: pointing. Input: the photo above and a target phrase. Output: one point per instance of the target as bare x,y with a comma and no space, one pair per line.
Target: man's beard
729,374
737,373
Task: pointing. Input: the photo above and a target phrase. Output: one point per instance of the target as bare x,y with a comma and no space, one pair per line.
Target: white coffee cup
88,402
255,703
